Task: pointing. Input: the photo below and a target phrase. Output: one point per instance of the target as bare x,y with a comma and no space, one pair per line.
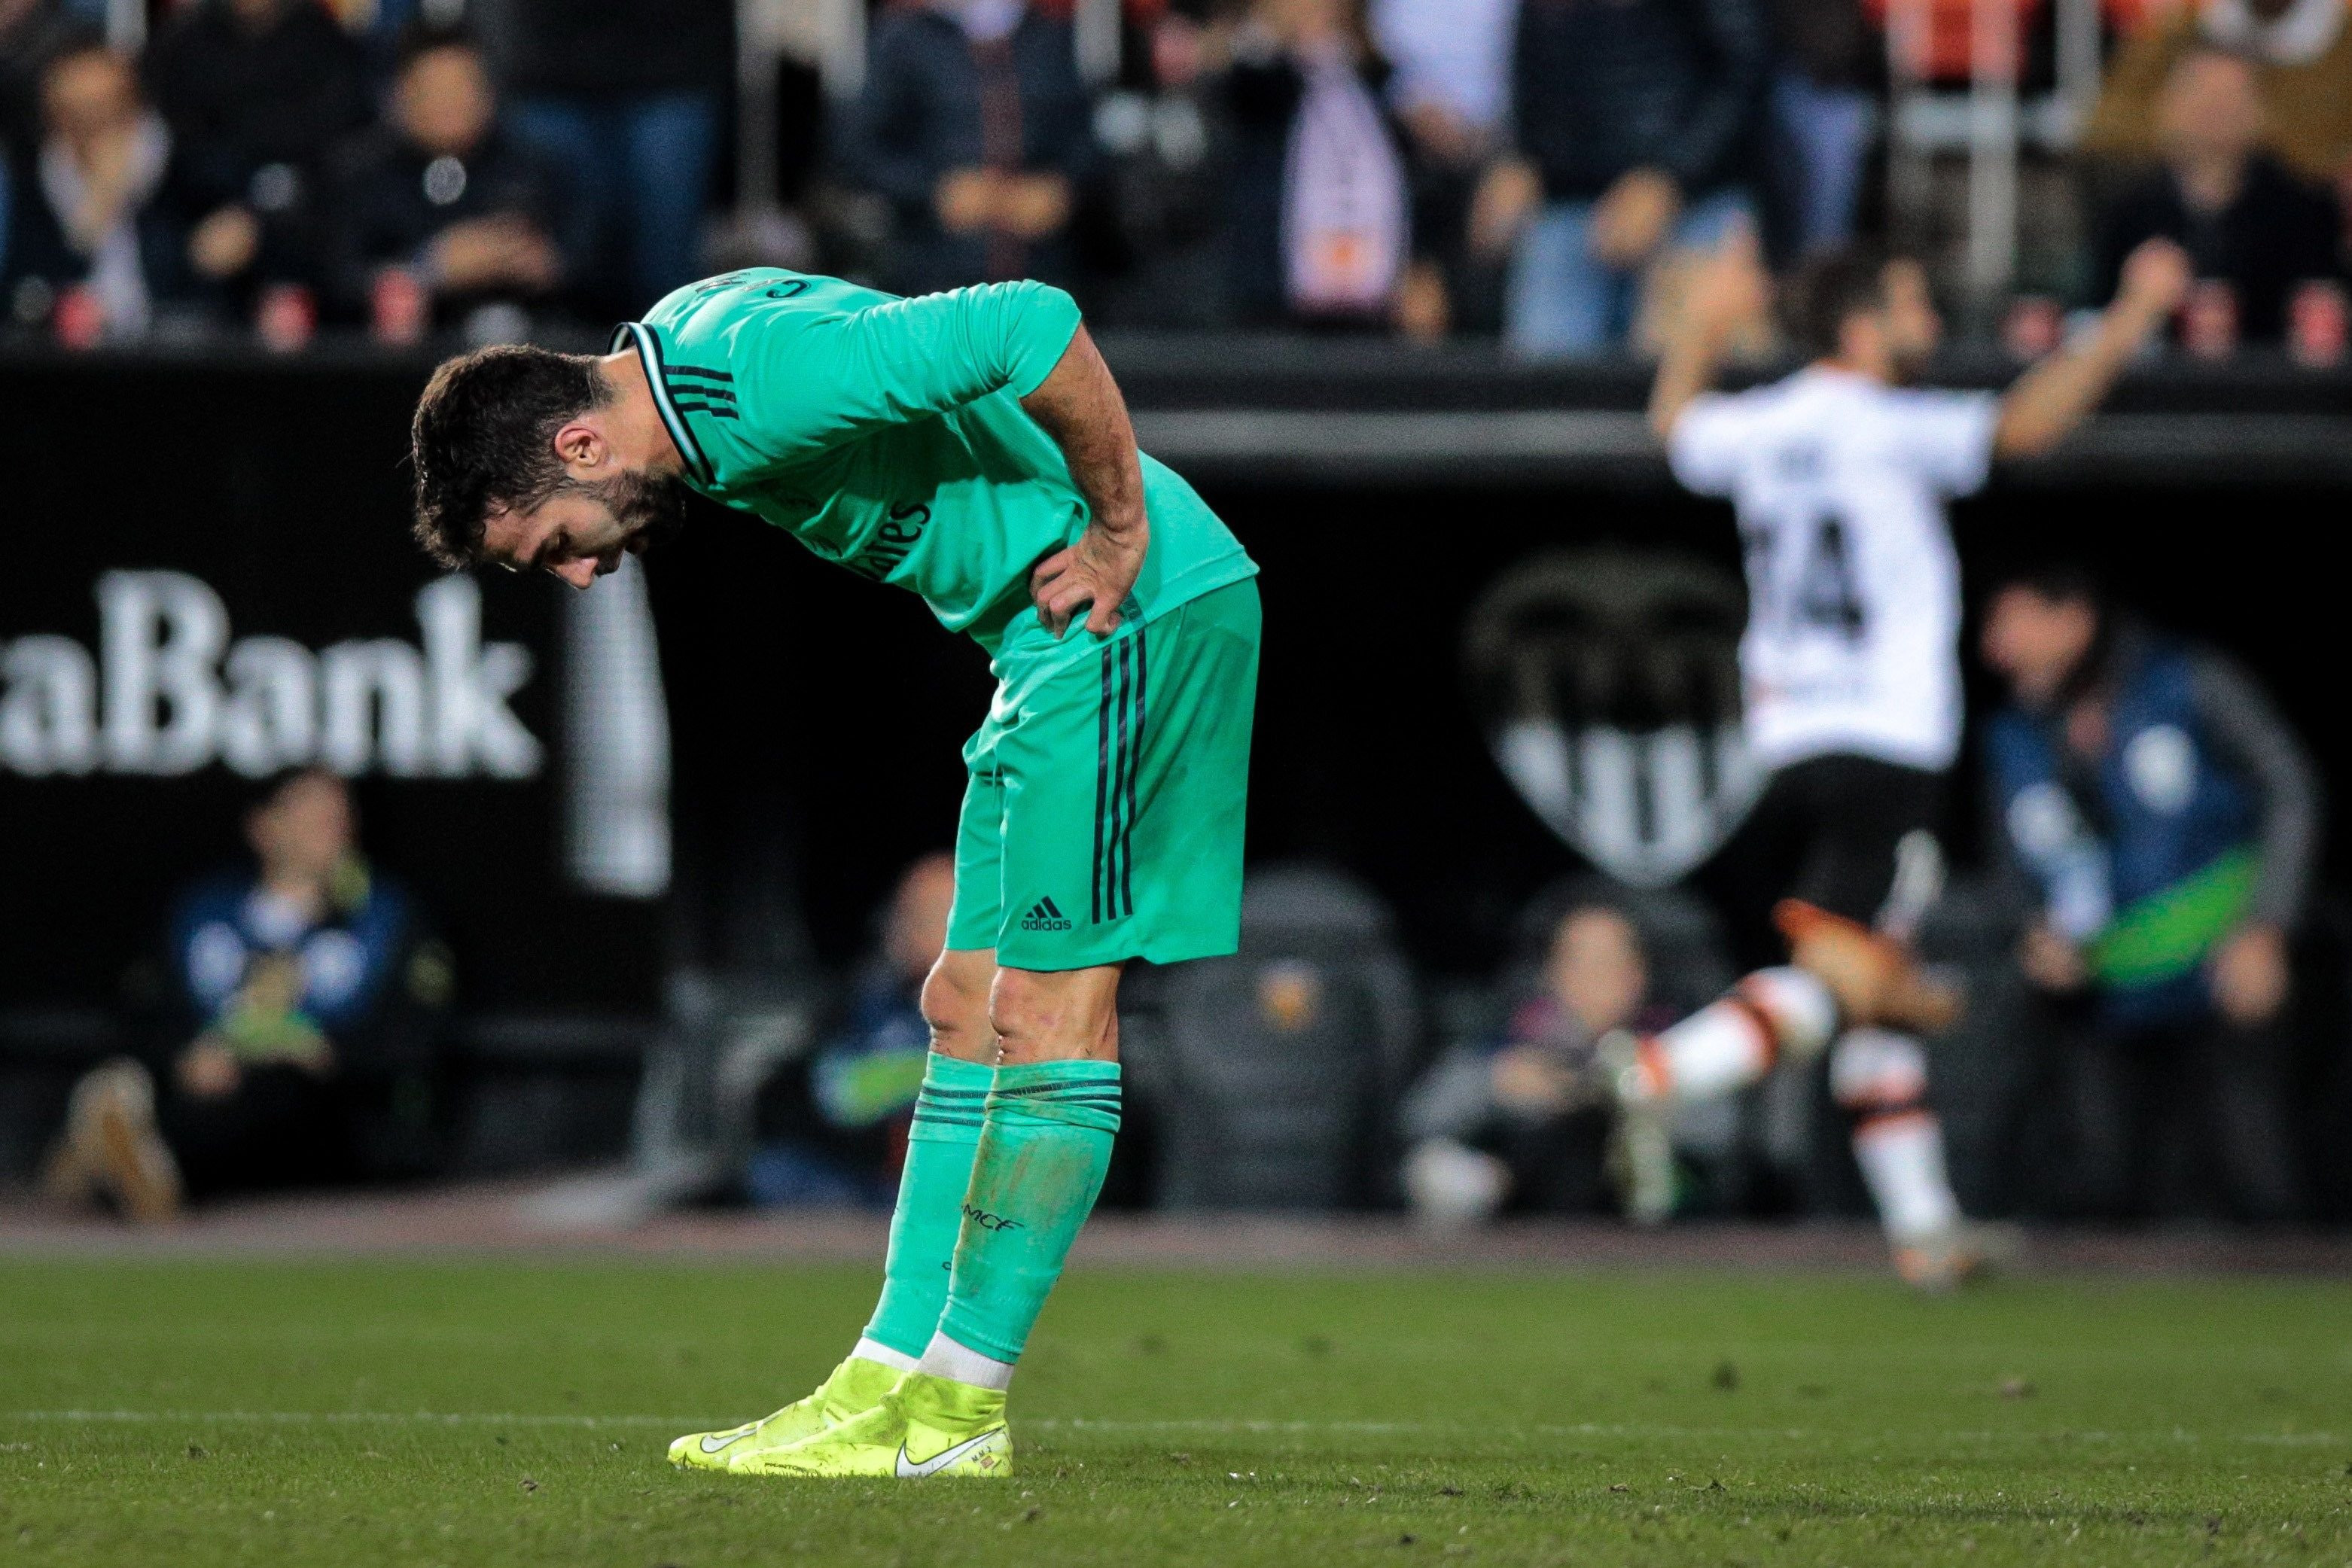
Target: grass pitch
515,1414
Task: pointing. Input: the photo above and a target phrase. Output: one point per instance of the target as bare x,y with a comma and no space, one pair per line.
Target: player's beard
649,508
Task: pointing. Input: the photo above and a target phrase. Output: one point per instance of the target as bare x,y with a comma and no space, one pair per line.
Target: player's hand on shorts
1096,573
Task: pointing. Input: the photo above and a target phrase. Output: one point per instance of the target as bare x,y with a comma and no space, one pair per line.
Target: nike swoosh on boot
909,1471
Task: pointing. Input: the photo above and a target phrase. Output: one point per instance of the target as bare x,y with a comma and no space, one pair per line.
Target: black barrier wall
209,579
816,716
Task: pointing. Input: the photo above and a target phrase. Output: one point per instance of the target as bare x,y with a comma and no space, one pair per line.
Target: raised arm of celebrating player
1729,293
2053,397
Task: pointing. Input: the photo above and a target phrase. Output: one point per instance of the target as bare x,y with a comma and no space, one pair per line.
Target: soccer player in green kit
971,446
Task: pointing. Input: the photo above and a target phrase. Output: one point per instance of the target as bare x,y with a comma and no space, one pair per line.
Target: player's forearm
2055,396
1080,407
1686,370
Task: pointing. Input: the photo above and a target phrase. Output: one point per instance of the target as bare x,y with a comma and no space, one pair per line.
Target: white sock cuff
875,1350
1804,1013
945,1358
1878,1069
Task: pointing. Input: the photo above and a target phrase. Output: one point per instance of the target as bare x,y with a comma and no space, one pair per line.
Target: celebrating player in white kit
1850,667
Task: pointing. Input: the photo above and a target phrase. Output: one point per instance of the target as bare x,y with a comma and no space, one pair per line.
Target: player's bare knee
1055,1017
955,1005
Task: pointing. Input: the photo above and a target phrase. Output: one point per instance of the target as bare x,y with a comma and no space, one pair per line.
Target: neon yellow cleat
855,1387
926,1427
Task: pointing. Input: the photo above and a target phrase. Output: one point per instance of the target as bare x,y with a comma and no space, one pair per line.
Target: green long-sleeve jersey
887,433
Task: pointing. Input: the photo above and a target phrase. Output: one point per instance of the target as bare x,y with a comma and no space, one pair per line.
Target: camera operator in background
306,997
2170,821
1495,1122
841,1123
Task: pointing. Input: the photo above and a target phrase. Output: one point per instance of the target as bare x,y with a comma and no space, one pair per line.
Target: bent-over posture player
1850,670
973,447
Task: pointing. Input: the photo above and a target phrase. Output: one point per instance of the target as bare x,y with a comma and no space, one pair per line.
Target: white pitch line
1212,1426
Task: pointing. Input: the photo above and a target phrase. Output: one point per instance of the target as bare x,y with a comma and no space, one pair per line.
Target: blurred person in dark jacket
624,95
445,190
1634,127
1320,207
842,1131
95,207
256,92
302,987
1451,94
32,34
975,126
1825,92
2243,217
2168,821
1164,184
2302,55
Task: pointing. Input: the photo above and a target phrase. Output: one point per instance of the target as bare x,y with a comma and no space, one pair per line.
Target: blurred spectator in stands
1825,106
1497,1121
975,126
842,1115
2168,821
256,92
92,219
1634,134
32,34
306,990
1452,93
445,191
2302,55
1320,207
1164,183
2243,218
624,95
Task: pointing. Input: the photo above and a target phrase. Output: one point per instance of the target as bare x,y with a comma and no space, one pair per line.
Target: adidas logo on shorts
1044,915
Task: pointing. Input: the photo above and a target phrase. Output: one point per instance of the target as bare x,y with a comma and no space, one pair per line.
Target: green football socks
1042,1157
949,1110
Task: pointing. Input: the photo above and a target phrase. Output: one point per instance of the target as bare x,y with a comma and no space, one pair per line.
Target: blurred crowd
1536,169
281,164
2148,966
2156,1024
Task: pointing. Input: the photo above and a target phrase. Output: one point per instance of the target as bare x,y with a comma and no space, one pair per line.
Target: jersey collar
640,336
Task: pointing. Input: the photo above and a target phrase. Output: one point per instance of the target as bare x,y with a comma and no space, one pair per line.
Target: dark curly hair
1829,288
484,440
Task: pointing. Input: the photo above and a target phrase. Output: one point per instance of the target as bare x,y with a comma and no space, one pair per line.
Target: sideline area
558,1217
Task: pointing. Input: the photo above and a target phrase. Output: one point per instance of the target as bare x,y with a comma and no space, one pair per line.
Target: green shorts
1102,820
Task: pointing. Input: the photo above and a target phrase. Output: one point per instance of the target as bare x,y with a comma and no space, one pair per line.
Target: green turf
295,1413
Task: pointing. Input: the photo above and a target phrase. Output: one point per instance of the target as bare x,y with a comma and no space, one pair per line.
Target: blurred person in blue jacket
2169,819
301,985
841,1120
